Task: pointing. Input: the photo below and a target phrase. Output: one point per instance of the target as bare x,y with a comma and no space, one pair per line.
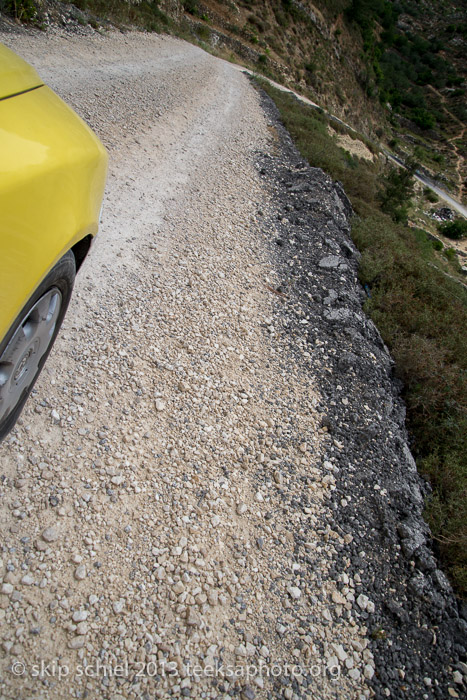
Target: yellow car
52,177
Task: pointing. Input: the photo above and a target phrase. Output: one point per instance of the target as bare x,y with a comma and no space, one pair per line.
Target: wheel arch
81,249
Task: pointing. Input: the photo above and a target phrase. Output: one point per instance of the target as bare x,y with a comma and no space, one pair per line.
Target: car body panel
15,74
52,177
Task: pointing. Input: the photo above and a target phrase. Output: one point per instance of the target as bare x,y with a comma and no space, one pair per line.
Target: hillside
392,70
307,46
414,52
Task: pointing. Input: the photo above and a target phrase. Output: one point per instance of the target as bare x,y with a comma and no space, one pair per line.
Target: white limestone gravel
148,532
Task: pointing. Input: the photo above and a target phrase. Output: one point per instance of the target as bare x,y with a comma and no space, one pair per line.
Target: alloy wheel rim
20,361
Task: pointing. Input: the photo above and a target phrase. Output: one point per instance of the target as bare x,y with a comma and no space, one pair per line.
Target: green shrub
396,193
191,6
281,18
310,66
454,229
423,118
430,195
203,33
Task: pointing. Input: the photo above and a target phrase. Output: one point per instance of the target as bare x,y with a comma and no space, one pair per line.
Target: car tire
29,341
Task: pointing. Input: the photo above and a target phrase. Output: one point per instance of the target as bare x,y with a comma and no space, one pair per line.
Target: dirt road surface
146,550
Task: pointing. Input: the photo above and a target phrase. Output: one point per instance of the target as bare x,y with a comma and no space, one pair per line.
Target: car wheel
30,339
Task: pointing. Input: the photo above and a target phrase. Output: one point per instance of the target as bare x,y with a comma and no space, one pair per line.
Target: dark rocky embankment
417,627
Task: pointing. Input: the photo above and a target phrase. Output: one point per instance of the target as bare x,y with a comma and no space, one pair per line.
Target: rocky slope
417,634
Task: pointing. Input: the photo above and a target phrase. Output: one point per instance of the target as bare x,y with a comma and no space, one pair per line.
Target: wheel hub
26,363
22,366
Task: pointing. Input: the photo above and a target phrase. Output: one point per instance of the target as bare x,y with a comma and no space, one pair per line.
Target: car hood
16,75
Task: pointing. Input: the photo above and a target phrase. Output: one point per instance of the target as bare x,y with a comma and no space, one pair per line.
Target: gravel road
166,496
137,528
